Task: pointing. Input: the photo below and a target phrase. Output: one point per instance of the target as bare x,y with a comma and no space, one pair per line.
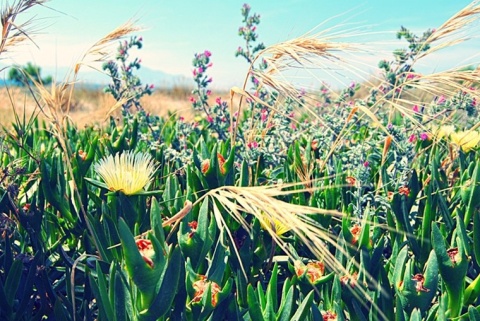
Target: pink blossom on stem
441,100
252,145
263,116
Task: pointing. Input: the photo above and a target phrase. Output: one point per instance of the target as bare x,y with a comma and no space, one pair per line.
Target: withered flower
420,279
329,316
201,286
404,190
314,270
146,250
454,255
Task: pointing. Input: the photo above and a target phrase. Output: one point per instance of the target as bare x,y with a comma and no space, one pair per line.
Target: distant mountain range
90,77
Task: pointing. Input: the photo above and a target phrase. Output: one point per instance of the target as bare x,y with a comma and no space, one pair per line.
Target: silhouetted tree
22,76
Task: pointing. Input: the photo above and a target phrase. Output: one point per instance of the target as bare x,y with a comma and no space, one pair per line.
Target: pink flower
412,138
152,86
252,145
192,99
200,70
415,108
209,92
366,163
441,100
207,53
423,136
263,116
218,100
210,119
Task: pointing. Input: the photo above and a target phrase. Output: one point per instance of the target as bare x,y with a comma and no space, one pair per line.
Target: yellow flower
279,228
466,140
443,131
128,172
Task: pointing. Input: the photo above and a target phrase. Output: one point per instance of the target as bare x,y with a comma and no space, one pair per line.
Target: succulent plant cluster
262,214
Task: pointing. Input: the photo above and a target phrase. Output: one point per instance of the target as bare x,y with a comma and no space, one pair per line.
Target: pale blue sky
175,30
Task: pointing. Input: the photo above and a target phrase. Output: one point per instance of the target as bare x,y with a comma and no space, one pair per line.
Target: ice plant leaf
127,172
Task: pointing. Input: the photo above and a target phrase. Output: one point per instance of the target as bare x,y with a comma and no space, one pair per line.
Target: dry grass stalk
101,50
14,33
262,203
310,51
450,30
61,93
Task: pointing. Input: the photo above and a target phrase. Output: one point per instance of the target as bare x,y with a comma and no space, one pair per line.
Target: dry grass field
90,106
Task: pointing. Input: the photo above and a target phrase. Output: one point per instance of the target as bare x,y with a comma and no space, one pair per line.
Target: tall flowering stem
125,85
201,63
218,115
247,32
